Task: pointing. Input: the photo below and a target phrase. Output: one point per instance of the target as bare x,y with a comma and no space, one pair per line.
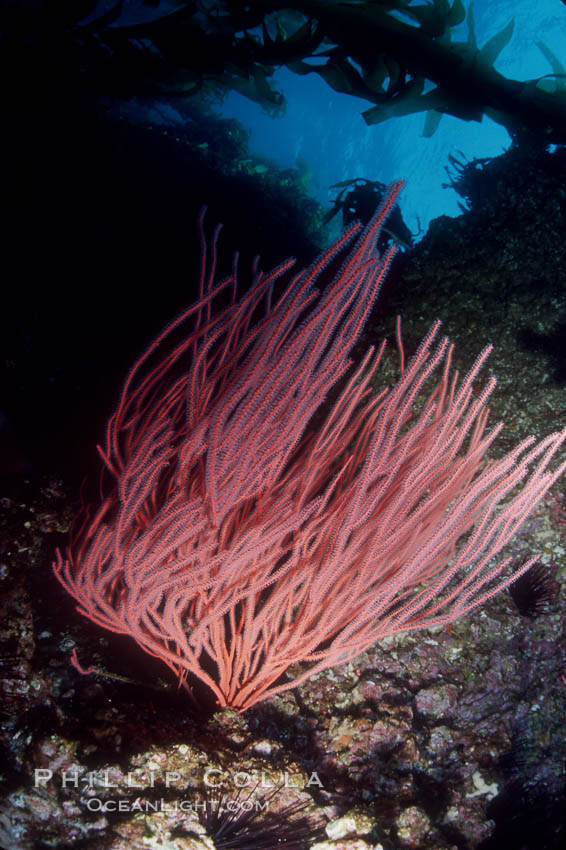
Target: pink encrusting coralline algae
238,539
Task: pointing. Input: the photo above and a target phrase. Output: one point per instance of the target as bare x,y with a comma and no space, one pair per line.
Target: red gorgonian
242,535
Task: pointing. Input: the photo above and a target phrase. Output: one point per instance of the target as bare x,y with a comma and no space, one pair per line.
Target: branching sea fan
242,534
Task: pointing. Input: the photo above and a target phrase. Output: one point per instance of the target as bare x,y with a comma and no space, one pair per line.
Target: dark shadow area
552,345
100,251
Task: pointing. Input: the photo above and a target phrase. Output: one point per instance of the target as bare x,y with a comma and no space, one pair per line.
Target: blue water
325,129
324,133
